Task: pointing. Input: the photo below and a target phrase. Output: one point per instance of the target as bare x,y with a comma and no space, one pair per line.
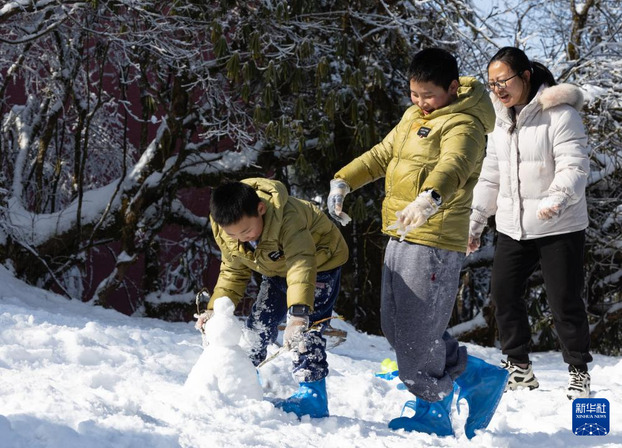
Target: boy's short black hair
434,65
232,201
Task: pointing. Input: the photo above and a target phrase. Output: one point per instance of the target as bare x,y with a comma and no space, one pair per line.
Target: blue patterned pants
270,309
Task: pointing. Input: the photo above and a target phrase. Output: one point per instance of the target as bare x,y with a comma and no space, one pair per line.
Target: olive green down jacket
297,241
442,151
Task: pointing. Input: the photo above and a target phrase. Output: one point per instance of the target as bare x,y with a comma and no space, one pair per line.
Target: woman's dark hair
232,201
518,61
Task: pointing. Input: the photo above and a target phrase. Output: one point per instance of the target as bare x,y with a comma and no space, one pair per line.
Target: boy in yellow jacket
299,253
430,161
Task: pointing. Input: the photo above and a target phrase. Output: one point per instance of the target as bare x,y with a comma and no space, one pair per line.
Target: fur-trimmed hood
547,97
561,94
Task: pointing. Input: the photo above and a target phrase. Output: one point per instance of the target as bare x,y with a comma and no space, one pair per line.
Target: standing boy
431,161
299,252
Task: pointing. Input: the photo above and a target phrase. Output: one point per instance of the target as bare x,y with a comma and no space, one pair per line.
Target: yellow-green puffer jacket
297,241
441,151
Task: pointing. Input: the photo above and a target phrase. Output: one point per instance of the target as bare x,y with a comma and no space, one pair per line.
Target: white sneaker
578,385
520,377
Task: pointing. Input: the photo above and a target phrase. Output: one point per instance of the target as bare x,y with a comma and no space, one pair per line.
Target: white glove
551,206
338,191
294,331
415,214
202,319
475,232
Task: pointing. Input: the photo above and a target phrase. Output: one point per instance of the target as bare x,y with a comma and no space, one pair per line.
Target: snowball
223,329
224,306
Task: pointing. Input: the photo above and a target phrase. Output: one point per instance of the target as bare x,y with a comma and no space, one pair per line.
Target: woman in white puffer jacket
533,180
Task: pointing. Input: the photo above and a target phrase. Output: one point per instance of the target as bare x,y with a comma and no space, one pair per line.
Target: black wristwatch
299,310
436,197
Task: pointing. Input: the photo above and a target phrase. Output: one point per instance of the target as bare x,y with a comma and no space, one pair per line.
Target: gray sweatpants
419,287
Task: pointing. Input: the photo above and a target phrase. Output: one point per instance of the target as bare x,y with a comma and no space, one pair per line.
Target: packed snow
75,375
224,367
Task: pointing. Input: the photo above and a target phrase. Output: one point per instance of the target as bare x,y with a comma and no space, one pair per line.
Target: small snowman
224,366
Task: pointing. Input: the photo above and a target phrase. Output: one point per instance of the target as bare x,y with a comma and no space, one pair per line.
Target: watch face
299,310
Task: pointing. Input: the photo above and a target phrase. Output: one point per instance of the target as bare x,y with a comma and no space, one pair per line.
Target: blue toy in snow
388,369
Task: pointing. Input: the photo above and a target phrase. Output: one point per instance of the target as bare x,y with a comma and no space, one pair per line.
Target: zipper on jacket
518,195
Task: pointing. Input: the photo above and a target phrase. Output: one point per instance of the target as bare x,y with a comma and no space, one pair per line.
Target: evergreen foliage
117,117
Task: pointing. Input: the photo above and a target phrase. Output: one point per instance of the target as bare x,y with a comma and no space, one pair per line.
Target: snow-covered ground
74,375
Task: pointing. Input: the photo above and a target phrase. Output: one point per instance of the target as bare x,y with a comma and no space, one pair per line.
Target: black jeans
561,260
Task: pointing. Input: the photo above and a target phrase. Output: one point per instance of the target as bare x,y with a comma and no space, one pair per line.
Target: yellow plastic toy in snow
388,369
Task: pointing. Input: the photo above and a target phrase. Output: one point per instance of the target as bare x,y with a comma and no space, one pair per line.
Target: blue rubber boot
482,386
430,417
310,399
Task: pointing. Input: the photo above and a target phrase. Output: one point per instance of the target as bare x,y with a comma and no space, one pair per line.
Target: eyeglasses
501,84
